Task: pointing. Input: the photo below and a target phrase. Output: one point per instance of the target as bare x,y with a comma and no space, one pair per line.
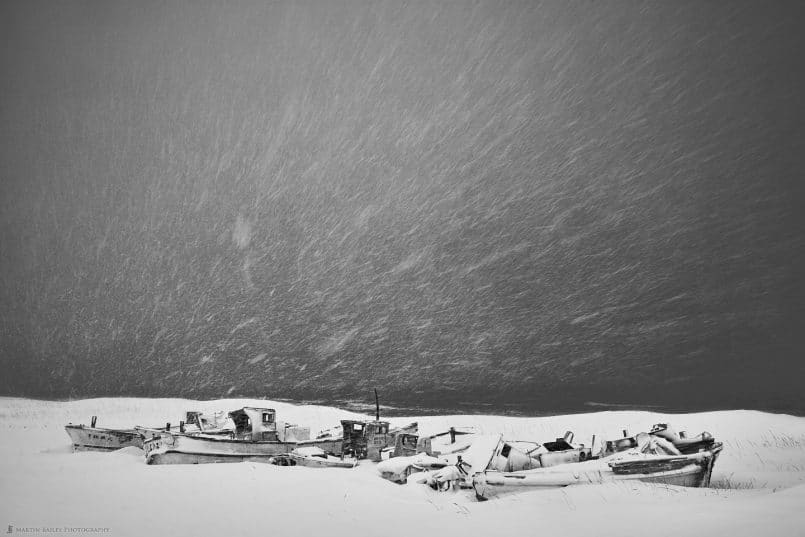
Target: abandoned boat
368,440
315,457
412,454
94,438
195,422
686,445
257,436
653,460
399,469
375,440
491,452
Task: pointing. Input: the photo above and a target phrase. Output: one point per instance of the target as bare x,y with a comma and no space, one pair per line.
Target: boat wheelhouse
367,439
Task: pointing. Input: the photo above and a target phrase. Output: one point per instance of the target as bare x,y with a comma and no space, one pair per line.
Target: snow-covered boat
195,422
399,469
368,439
171,448
376,440
413,454
315,457
681,441
104,439
654,460
256,437
94,438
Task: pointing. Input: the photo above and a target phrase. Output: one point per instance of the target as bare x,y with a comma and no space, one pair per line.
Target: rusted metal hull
101,439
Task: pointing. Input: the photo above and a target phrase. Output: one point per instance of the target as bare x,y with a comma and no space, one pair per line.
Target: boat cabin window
357,427
268,417
506,450
382,429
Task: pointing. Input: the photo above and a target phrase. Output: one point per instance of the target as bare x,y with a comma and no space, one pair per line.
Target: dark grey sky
552,203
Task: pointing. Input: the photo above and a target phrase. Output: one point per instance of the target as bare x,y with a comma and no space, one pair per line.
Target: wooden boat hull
692,470
319,462
490,484
101,439
170,448
685,471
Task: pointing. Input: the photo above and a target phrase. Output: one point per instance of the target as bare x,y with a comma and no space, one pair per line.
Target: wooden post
168,426
94,420
452,435
377,407
181,426
625,433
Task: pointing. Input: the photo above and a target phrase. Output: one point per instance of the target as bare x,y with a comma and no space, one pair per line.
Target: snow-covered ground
758,483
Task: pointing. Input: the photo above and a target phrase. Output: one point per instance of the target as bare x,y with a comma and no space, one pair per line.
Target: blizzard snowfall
758,483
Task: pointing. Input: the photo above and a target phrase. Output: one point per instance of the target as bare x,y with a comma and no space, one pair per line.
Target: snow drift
758,484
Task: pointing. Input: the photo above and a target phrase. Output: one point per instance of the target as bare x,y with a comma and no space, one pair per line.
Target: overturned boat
652,460
94,438
257,436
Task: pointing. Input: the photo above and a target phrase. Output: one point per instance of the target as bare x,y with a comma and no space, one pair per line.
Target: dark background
467,205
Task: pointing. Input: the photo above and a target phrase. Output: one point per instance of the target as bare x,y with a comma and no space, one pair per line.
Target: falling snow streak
532,204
